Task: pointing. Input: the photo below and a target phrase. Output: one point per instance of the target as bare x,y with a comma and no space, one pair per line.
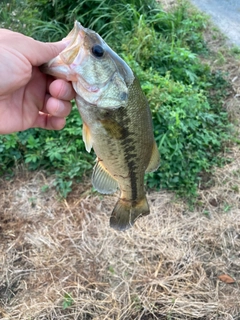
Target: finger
36,52
56,123
61,89
46,121
57,107
42,52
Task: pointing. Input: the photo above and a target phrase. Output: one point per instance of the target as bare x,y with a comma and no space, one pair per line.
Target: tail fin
126,213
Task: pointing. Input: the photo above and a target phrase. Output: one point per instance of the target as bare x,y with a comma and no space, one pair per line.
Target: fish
117,121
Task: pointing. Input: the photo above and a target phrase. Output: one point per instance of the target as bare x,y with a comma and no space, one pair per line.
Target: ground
61,260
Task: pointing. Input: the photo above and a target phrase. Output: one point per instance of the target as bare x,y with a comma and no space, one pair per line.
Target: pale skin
29,98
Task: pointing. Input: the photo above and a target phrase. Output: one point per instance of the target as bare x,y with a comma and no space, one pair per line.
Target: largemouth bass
117,121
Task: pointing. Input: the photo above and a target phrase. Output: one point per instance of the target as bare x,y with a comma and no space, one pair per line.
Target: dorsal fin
87,137
102,180
155,159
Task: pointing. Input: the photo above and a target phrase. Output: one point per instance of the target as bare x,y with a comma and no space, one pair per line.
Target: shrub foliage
163,49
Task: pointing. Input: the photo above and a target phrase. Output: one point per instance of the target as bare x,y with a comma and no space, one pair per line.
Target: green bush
162,48
58,152
189,136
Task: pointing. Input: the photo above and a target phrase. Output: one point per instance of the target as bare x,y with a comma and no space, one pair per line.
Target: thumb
36,52
42,52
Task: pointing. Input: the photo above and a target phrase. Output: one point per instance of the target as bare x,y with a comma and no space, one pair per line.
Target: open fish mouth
63,65
94,69
72,53
66,64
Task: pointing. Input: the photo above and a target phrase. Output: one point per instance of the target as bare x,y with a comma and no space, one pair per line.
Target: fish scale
117,121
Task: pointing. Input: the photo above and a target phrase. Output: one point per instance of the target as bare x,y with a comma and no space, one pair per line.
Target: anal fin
155,159
102,180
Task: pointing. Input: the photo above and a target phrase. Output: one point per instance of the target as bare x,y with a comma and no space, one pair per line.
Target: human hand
29,98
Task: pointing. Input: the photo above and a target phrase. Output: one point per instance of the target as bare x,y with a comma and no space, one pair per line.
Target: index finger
62,89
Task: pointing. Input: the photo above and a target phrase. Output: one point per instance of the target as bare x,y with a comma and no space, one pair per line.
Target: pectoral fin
86,134
155,159
102,180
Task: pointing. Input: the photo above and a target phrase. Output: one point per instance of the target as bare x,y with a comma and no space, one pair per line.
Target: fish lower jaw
86,93
92,89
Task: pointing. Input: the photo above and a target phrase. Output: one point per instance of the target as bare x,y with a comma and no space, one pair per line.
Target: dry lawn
57,254
61,260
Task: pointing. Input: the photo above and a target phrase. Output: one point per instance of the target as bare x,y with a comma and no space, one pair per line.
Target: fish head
99,76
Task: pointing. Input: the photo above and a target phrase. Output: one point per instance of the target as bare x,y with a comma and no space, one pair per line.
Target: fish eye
97,51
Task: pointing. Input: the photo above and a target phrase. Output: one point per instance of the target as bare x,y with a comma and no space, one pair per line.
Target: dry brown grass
166,267
54,253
